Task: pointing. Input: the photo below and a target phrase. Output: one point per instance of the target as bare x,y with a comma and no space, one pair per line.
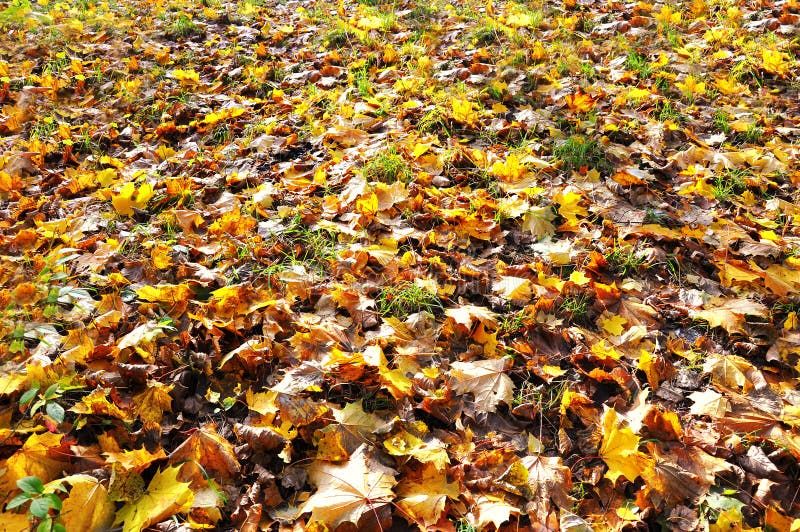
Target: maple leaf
431,451
87,507
579,102
207,448
129,197
423,495
486,380
345,492
619,450
165,496
462,111
153,402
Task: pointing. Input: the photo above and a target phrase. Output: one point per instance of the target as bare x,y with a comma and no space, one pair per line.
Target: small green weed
182,27
400,301
338,37
722,121
729,183
666,112
575,307
388,167
638,63
47,399
485,35
41,503
625,261
578,152
752,135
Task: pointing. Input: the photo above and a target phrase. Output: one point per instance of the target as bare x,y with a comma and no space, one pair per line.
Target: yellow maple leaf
348,491
425,498
569,207
463,111
129,197
579,102
428,452
153,402
34,459
690,86
668,16
612,324
186,77
97,403
619,450
165,496
510,170
87,506
136,459
774,62
165,293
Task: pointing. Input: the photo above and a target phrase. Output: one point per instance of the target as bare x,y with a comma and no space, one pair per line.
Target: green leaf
55,411
40,507
51,391
31,485
46,525
55,500
28,396
18,501
58,527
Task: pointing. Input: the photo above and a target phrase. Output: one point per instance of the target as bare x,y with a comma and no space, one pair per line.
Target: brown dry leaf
207,448
730,313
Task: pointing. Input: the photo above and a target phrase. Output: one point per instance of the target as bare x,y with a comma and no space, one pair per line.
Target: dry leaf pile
445,265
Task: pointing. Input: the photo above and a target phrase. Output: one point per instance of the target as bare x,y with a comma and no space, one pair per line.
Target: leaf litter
449,266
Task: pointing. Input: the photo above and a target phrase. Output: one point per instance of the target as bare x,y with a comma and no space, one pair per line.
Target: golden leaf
87,506
619,450
165,496
423,495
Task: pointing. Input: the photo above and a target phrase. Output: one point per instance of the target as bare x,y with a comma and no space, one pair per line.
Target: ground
378,265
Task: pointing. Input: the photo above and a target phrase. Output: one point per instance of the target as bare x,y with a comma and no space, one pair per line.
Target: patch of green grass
722,121
575,307
638,63
338,37
752,135
625,261
316,247
729,183
388,167
405,299
181,27
434,121
43,128
666,112
361,82
485,35
578,152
